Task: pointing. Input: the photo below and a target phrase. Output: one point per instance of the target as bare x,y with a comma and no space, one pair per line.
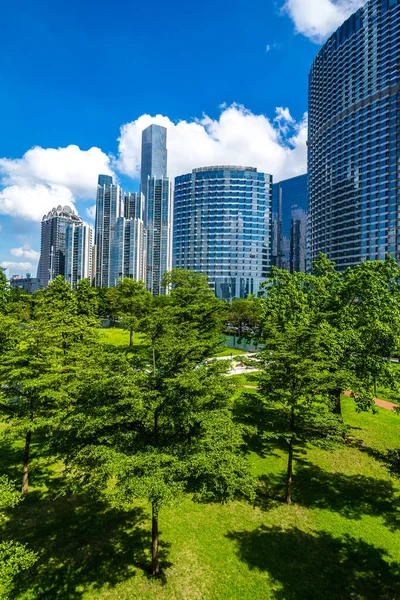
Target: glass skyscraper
354,138
126,254
53,243
78,253
154,155
158,232
108,210
289,223
222,227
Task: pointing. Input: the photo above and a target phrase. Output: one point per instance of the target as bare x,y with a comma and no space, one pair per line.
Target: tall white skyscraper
78,253
108,210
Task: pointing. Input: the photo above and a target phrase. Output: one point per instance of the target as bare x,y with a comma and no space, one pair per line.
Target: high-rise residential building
127,251
108,210
154,155
289,223
53,242
78,253
222,227
133,206
354,138
159,218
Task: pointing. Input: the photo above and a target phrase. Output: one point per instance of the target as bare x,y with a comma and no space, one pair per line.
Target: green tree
370,297
133,302
14,557
4,291
39,362
86,299
159,425
300,361
244,315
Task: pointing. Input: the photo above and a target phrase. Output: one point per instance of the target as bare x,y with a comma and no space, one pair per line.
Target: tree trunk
338,403
375,387
25,472
289,478
155,567
130,338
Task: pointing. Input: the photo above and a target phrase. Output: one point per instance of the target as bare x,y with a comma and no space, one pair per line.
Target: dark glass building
289,224
53,243
354,138
222,227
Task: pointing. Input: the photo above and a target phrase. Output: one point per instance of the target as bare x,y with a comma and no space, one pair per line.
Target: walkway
381,403
378,402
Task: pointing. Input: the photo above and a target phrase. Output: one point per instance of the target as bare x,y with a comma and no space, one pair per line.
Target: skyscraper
126,256
222,227
108,210
53,242
289,223
156,195
133,206
354,138
158,232
78,253
154,155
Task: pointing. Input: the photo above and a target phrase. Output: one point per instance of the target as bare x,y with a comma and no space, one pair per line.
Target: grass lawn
232,352
339,541
119,337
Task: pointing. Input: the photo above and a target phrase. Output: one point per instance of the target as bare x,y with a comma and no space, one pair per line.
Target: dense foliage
156,421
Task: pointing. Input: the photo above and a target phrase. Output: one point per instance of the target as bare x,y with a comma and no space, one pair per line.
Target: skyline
257,120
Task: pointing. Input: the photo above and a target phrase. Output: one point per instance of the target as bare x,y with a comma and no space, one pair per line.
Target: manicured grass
232,352
339,541
119,337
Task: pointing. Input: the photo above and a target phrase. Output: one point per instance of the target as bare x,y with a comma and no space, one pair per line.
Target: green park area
339,539
149,471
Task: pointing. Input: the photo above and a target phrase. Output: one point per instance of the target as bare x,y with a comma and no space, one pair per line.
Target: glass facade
78,253
158,233
154,155
108,210
126,255
289,224
53,243
222,227
354,138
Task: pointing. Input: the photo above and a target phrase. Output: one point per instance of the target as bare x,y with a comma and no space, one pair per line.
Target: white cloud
31,202
238,137
16,266
46,177
91,212
25,252
317,19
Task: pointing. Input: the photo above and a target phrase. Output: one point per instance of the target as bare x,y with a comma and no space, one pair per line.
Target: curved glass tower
354,138
222,227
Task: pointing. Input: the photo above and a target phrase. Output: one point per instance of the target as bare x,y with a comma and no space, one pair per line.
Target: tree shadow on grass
349,495
261,420
317,566
82,544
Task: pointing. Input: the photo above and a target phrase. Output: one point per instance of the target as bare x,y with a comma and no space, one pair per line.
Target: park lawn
339,540
119,337
232,352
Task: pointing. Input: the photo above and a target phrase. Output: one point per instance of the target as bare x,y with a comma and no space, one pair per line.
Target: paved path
381,403
378,402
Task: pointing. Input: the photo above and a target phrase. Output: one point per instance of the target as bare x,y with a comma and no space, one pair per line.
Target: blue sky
228,79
